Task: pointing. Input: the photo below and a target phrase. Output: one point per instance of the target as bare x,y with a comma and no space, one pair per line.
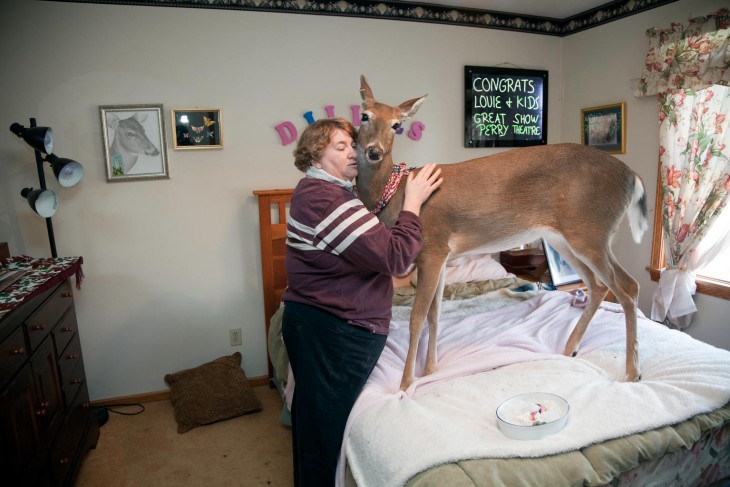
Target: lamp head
42,201
39,138
67,171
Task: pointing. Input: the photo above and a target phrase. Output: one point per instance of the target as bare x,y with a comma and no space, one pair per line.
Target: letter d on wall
287,131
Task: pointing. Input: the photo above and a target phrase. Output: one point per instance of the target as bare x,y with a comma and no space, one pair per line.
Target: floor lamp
68,172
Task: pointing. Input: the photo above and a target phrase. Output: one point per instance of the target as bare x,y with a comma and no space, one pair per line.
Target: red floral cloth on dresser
40,275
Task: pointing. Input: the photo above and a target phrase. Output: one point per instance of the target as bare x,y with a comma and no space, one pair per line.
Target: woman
340,261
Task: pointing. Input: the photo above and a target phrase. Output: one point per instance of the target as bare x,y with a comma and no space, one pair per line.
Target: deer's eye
396,126
365,117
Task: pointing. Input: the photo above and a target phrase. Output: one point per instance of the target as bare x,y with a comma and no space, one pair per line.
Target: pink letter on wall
355,115
287,132
416,130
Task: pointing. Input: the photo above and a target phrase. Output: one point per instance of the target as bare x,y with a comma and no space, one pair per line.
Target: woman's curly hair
315,139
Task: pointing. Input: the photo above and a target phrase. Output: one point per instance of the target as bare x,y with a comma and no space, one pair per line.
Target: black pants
331,361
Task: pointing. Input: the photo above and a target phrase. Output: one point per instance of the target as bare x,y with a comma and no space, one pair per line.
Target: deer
574,196
130,140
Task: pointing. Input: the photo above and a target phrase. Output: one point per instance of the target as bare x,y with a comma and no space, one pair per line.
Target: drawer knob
40,327
18,351
41,412
67,294
72,356
67,329
64,461
77,381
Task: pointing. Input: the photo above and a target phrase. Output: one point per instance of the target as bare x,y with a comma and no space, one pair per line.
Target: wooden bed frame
273,250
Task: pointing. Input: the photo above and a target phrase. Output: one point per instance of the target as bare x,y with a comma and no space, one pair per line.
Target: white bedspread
489,357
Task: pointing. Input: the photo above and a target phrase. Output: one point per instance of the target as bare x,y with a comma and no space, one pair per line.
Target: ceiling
556,9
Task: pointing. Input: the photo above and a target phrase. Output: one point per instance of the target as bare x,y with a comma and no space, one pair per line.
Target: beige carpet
146,451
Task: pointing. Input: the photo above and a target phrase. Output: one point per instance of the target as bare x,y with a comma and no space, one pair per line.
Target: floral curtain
695,55
694,153
687,67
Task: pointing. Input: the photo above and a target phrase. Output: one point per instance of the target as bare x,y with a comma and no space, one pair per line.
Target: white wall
171,265
603,66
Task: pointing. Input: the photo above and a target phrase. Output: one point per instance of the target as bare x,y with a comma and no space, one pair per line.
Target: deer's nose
374,154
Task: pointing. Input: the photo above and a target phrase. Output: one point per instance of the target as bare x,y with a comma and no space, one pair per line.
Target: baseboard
148,397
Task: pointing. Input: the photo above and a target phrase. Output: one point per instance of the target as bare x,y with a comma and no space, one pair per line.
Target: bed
501,336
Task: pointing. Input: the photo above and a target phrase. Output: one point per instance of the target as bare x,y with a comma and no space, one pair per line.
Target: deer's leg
429,271
625,289
596,294
433,324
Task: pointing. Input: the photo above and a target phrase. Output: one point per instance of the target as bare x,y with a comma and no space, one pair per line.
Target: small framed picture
197,129
560,271
134,142
605,128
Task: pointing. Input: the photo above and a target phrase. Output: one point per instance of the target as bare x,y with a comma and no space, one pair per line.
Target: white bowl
532,416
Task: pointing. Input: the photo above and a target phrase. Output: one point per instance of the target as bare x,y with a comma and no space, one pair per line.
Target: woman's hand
420,186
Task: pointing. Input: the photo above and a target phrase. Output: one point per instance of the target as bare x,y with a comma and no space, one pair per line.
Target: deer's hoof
570,352
633,377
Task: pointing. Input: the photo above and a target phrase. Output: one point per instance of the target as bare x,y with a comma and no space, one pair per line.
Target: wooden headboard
273,250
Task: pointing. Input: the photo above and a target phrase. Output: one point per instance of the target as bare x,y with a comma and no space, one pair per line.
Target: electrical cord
109,407
102,412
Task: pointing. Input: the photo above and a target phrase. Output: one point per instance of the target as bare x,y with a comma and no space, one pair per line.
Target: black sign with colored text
505,107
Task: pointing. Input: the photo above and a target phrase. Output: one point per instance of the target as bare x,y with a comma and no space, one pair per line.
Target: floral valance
691,56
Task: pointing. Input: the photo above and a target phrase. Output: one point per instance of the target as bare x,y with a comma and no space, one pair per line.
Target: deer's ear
365,92
410,107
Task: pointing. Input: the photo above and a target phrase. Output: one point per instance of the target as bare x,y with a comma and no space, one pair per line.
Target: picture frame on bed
133,137
197,129
560,271
604,127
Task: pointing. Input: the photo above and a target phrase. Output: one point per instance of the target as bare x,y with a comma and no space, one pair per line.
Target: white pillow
470,268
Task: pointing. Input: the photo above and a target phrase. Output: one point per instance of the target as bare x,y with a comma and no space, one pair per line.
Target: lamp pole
42,181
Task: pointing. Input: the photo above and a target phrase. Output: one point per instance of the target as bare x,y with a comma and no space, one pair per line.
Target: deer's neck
371,182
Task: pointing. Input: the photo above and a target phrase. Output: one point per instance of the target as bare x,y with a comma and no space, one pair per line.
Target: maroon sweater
340,257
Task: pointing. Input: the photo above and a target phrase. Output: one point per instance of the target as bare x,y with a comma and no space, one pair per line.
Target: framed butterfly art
197,129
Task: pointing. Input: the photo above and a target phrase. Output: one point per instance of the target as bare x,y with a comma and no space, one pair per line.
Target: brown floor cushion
211,392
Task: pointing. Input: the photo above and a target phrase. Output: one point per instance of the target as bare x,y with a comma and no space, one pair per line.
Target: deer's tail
637,210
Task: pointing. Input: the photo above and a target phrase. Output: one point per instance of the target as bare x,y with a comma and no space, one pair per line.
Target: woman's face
339,158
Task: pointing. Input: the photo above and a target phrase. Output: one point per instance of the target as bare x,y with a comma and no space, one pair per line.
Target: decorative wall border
415,12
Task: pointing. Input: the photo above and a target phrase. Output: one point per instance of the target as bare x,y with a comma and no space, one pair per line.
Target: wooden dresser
46,422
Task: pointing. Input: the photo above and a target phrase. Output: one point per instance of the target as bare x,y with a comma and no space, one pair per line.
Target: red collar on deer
391,186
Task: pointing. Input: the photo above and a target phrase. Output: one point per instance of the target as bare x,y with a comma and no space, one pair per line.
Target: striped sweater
340,258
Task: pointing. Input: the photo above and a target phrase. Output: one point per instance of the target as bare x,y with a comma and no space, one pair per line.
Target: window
713,278
714,250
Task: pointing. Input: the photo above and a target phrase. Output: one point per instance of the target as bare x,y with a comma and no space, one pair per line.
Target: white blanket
489,357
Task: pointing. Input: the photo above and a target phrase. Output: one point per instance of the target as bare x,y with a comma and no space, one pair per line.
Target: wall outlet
235,336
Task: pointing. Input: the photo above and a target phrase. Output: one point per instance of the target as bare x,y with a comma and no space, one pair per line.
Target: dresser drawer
40,323
67,442
72,382
13,355
65,330
68,360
